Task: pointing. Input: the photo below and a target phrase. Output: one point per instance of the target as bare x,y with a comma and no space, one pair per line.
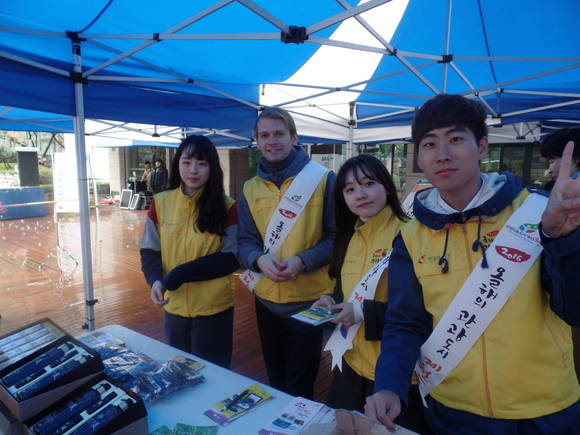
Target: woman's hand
324,301
157,291
351,313
346,316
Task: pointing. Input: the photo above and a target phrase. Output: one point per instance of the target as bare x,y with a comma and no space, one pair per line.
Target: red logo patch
287,213
512,254
492,233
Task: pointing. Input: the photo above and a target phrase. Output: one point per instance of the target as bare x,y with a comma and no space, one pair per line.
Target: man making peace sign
482,290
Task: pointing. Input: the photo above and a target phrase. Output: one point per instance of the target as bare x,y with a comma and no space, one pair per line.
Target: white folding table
188,405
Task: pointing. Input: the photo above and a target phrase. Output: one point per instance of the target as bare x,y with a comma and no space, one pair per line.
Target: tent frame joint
74,37
446,58
91,302
77,77
295,35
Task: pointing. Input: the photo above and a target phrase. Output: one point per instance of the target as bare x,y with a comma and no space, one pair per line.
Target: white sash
341,339
510,256
287,213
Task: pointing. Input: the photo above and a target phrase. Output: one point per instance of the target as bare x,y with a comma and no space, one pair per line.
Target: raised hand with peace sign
562,214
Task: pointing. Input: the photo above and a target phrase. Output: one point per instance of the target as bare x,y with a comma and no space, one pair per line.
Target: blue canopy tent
348,71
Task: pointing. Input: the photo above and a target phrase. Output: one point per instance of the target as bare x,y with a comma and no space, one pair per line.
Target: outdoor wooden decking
41,276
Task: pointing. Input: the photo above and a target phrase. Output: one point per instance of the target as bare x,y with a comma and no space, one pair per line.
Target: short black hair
446,110
147,162
553,145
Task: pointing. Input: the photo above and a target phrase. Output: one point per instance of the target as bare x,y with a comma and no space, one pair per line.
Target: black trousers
291,352
349,391
209,337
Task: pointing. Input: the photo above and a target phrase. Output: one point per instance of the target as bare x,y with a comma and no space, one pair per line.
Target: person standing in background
159,177
146,177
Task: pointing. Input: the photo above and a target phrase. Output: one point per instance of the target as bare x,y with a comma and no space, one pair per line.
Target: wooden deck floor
41,276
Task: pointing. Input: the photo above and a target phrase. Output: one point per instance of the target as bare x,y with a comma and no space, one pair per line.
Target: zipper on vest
188,295
463,219
485,378
483,348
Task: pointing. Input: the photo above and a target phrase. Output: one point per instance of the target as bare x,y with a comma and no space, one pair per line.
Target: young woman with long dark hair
368,217
188,253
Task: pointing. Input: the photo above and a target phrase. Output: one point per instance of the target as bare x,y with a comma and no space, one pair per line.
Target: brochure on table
188,405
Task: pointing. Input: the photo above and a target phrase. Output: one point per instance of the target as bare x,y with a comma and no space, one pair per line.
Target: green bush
45,174
7,168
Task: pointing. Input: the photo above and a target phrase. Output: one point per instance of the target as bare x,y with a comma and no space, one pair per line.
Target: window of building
523,160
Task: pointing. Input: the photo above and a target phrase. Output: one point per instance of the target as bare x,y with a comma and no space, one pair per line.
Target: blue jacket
408,323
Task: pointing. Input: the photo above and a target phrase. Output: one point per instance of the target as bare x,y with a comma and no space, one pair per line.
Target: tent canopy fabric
349,72
211,64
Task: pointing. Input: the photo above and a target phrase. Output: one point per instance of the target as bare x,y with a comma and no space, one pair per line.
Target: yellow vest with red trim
263,198
522,365
368,245
181,242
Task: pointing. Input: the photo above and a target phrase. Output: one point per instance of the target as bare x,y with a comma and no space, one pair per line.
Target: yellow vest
370,242
263,198
181,242
521,367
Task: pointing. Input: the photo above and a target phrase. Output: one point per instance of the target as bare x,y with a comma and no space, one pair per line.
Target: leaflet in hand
237,405
299,414
316,316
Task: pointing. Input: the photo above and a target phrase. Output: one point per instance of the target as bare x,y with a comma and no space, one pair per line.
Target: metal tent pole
446,46
79,123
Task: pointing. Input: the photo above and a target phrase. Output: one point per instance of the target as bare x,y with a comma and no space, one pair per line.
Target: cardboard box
55,330
8,423
133,421
25,409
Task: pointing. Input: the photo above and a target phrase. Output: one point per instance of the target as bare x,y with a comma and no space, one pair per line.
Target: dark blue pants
448,421
209,337
291,352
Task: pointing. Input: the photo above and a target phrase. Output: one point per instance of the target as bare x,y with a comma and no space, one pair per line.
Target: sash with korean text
287,213
341,339
484,293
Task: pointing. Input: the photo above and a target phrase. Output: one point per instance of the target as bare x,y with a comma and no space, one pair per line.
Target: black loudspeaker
28,167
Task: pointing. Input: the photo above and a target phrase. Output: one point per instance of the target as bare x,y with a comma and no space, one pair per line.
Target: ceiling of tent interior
362,71
111,133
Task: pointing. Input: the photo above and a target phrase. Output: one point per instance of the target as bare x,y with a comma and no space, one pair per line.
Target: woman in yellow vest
188,253
368,217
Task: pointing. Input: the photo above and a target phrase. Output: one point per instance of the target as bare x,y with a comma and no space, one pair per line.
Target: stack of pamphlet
298,415
235,406
316,316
